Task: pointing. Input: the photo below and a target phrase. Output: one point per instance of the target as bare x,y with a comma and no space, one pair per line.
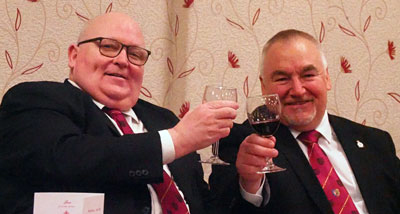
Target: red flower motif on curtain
233,60
395,96
187,3
391,50
345,65
184,109
33,0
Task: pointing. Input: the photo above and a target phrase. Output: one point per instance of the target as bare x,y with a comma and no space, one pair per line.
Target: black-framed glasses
112,48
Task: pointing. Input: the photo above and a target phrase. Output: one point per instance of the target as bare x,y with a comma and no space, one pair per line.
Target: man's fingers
245,169
222,103
252,160
255,139
225,113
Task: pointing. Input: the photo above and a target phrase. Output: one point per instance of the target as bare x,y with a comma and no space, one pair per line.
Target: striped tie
167,193
336,193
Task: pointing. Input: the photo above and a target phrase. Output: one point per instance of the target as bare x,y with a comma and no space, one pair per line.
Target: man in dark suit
363,158
56,138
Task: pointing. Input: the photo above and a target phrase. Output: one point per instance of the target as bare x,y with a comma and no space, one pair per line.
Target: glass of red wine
263,112
211,93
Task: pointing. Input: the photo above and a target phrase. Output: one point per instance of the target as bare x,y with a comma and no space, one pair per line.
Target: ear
72,56
263,89
328,80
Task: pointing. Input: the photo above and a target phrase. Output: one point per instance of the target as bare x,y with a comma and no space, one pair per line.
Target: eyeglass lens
112,48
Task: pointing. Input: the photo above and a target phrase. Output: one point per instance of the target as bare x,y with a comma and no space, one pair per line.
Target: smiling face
294,70
114,82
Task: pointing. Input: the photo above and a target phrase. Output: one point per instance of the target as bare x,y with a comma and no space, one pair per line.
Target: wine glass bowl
263,113
212,93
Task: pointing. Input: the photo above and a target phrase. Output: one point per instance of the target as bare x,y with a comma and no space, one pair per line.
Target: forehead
293,54
116,26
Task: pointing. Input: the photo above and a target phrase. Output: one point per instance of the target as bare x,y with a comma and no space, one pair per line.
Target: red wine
266,128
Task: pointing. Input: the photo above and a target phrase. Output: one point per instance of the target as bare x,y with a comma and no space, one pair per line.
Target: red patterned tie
170,199
336,193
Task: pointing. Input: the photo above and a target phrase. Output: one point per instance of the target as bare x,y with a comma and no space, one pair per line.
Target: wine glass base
215,161
271,169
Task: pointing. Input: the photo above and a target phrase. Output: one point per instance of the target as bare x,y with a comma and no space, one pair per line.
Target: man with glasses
112,48
93,134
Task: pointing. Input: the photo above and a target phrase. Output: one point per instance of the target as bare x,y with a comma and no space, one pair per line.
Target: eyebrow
309,68
284,73
278,72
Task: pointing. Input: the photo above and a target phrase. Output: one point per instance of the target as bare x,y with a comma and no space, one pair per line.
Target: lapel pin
360,144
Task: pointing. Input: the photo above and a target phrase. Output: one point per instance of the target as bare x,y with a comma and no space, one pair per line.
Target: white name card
68,203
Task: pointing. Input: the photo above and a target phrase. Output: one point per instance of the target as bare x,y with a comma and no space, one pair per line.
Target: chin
299,120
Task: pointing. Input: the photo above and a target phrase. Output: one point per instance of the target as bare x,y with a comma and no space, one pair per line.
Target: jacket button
146,210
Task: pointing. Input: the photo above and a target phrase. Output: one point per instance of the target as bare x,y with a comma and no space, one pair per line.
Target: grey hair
287,35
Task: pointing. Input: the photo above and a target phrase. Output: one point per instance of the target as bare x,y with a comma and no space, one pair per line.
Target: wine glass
263,112
211,93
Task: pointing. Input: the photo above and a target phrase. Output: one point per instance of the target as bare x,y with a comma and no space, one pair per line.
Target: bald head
102,24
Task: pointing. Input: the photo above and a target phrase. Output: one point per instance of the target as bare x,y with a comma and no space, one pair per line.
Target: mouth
297,102
116,75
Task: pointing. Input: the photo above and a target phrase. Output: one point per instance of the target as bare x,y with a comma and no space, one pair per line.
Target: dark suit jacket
297,190
55,139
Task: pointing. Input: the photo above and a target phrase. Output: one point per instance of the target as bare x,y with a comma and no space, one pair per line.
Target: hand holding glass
211,93
263,113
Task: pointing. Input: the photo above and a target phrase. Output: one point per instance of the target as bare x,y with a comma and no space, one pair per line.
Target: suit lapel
290,150
109,124
95,112
358,159
148,117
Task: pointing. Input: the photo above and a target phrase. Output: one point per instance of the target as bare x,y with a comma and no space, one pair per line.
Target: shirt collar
324,128
129,112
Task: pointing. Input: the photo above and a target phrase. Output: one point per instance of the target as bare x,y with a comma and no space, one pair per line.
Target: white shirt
333,149
167,146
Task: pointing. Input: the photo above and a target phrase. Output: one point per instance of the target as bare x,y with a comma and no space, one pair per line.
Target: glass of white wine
211,93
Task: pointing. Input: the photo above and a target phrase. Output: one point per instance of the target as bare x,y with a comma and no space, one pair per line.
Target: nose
122,58
297,87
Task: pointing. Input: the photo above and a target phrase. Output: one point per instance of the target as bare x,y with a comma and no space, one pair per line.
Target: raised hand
203,126
252,156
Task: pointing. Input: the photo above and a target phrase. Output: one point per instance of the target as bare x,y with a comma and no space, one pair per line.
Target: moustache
297,101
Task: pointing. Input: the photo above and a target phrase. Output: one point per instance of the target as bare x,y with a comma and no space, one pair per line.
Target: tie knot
112,112
119,118
309,137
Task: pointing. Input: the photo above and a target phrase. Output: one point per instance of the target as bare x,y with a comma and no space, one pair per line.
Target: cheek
137,75
277,89
88,66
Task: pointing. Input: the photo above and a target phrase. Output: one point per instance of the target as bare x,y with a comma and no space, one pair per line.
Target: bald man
61,137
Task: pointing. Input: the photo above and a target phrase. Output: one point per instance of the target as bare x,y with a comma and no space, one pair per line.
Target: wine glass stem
214,148
270,163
